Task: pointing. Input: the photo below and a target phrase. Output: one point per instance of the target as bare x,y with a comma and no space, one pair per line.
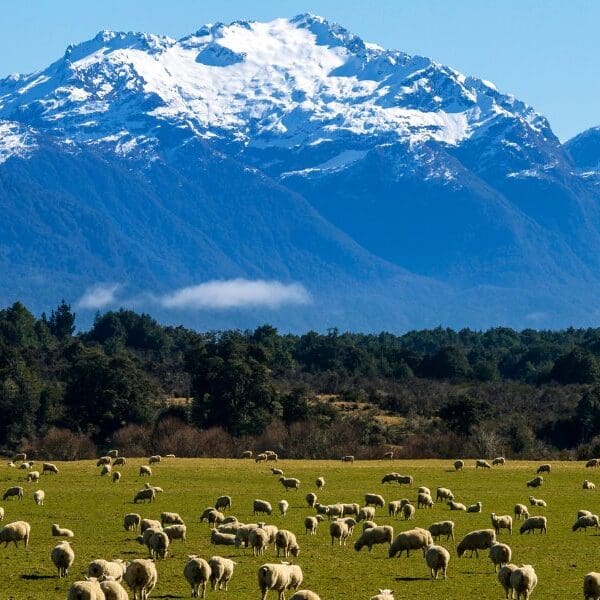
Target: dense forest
143,387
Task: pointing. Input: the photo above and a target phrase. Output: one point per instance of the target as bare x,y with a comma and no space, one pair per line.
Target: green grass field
78,498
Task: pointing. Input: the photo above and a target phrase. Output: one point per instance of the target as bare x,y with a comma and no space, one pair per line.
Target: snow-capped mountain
397,190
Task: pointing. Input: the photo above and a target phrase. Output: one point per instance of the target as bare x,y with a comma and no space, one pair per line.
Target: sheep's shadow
411,578
34,577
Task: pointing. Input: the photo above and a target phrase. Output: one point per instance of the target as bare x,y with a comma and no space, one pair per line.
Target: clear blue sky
546,52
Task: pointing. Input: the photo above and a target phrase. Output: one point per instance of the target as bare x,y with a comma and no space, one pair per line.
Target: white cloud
98,296
236,293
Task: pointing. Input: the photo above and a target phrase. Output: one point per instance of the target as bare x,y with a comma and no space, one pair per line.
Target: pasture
91,505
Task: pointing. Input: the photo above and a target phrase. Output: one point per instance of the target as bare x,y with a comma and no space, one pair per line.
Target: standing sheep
443,494
261,506
223,502
100,569
521,512
543,469
116,476
283,507
285,541
320,482
49,468
33,476
62,556
374,535
523,581
258,540
408,512
155,459
311,499
39,496
593,462
12,492
339,530
459,465
413,539
113,590
159,544
197,573
106,470
499,460
149,524
480,539
1,514
504,578
221,571
424,500
278,577
437,559
533,523
262,457
87,590
104,460
120,461
500,555
145,470
482,464
16,532
586,521
366,513
311,524
442,528
591,586
501,522
535,482
141,577
349,458
176,532
290,483
148,494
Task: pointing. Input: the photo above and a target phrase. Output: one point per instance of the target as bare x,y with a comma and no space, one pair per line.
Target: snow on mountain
15,140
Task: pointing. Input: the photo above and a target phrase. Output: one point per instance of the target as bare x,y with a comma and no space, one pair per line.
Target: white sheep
100,568
459,465
311,524
322,509
593,462
49,468
482,464
33,476
272,456
149,524
121,460
247,454
176,532
394,508
500,555
456,505
408,512
170,518
311,499
262,457
320,482
223,502
523,581
537,502
221,571
155,459
501,522
384,595
413,539
113,590
278,577
261,506
18,531
424,490
475,508
285,541
586,521
104,460
424,500
62,556
443,494
533,523
368,525
588,485
283,507
145,494
213,517
258,540
480,539
222,539
11,492
197,573
159,544
61,531
26,465
141,577
374,500
39,496
442,528
290,483
145,470
383,534
1,514
116,476
366,513
546,468
499,460
350,509
275,471
437,559
348,458
305,595
591,586
521,512
86,590
504,578
106,470
113,453
339,530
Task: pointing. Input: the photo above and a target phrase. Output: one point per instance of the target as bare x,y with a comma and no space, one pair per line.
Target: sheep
272,457
21,456
113,590
521,512
501,522
593,462
230,527
86,590
11,464
408,512
148,494
1,514
261,506
311,524
523,581
258,540
320,482
62,556
170,518
459,465
61,531
591,586
223,502
384,595
390,477
504,578
368,525
155,459
499,460
586,521
443,494
104,460
322,509
584,513
424,501
437,559
442,528
480,539
50,468
278,577
39,496
412,539
221,571
366,513
535,482
100,568
271,531
149,524
260,458
456,505
305,595
537,502
120,461
141,577
482,464
533,523
222,539
197,573
113,453
276,471
424,490
394,508
159,544
339,530
145,470
283,507
33,476
311,499
213,517
375,535
348,458
15,532
290,483
26,465
500,555
176,532
546,468
247,454
475,508
243,533
106,470
206,513
285,541
116,476
588,485
230,520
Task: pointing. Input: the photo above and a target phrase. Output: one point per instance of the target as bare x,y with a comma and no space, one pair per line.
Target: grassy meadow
78,498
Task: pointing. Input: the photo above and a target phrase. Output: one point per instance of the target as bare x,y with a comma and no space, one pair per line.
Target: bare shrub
60,444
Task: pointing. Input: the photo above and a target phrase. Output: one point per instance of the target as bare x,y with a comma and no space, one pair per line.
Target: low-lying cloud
236,293
98,296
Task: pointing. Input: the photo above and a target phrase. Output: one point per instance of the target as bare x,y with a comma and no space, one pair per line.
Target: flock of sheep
106,579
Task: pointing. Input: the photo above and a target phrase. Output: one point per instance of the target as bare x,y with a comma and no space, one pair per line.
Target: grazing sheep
424,490
16,532
374,535
33,476
591,586
501,522
350,509
243,533
145,470
413,539
536,502
593,462
504,578
101,568
443,494
368,525
261,506
213,517
523,581
311,524
113,453
586,521
475,508
424,501
176,532
222,539
141,577
116,476
499,460
113,590
456,505
311,499
148,494
157,489
437,559
260,458
546,468
459,465
587,485
62,556
247,454
384,595
104,460
389,477
86,590
21,456
26,465
61,531
442,528
285,541
39,496
408,512
394,508
221,571
500,555
197,573
155,459
480,539
482,464
106,470
533,523
258,540
206,513
320,482
279,578
535,482
283,507
170,518
149,524
348,458
322,509
305,595
366,513
159,544
120,461
290,483
50,468
223,502
339,530
272,457
521,512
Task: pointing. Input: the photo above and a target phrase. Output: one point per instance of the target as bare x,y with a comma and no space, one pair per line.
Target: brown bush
60,444
133,440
